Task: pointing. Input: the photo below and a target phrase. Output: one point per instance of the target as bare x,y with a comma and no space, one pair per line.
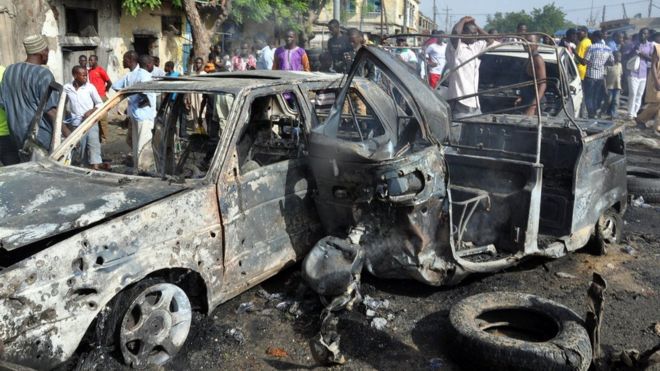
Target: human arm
276,64
654,70
106,78
458,29
122,83
305,62
541,84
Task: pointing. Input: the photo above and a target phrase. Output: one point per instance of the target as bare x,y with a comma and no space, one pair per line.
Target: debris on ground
629,250
634,138
370,313
236,334
276,352
565,275
246,307
436,364
636,360
656,328
639,202
596,296
379,323
268,296
375,304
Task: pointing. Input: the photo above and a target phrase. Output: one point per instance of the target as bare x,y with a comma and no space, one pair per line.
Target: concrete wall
116,33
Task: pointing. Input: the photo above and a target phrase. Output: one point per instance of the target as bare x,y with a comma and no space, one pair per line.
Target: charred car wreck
376,165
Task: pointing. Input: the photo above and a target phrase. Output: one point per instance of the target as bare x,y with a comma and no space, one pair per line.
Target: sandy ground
273,336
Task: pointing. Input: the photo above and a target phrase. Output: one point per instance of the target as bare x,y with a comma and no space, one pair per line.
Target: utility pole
603,17
336,10
447,19
435,12
591,15
650,7
625,16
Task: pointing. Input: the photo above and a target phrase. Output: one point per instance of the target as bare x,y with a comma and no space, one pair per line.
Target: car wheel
514,331
609,229
155,323
644,182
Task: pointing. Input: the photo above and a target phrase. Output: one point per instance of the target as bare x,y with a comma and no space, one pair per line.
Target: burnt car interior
506,169
275,132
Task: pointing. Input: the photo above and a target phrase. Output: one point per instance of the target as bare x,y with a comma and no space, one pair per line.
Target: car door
573,81
32,146
269,217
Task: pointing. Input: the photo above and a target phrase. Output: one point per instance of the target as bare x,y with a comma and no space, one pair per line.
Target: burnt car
420,194
122,259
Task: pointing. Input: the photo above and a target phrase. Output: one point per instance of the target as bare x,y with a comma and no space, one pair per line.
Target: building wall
394,19
117,33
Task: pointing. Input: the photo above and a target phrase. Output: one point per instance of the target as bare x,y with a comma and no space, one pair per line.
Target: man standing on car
465,80
83,101
23,86
435,55
594,82
141,107
338,44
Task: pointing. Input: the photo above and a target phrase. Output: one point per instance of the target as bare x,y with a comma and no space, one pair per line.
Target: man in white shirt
141,110
264,53
83,101
435,55
465,80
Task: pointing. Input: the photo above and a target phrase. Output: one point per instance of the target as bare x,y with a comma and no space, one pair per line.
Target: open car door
32,146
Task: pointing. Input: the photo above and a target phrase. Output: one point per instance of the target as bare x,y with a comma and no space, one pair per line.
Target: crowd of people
609,65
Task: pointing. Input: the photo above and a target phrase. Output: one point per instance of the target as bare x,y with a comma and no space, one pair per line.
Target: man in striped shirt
23,86
597,56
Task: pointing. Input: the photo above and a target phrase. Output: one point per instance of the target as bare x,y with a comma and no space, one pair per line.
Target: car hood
41,199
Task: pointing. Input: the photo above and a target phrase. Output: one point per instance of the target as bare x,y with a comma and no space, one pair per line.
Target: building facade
373,17
100,27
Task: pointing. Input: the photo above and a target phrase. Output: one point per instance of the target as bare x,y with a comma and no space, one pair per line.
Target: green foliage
548,19
284,12
133,7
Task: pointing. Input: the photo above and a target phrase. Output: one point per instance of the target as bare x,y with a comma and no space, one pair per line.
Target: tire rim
155,325
608,229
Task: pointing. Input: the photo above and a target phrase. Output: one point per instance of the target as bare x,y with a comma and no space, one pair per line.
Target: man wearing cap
141,107
23,86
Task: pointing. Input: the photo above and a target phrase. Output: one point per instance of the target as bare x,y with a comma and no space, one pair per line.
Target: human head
36,48
521,28
169,66
571,35
93,61
260,41
596,36
130,59
643,35
618,38
437,34
198,64
147,62
156,61
290,38
82,60
79,74
400,41
533,40
245,49
582,32
333,27
470,29
355,37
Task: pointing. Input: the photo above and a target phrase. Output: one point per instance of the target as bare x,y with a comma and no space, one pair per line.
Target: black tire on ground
644,182
515,331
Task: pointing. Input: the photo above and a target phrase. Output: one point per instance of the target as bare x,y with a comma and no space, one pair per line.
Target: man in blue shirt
141,111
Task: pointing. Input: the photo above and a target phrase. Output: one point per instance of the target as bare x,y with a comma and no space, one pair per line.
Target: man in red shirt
101,81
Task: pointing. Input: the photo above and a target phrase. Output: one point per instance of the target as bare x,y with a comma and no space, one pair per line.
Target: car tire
644,182
148,323
608,231
515,331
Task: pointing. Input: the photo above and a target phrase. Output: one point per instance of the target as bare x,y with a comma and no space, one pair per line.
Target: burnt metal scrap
435,207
